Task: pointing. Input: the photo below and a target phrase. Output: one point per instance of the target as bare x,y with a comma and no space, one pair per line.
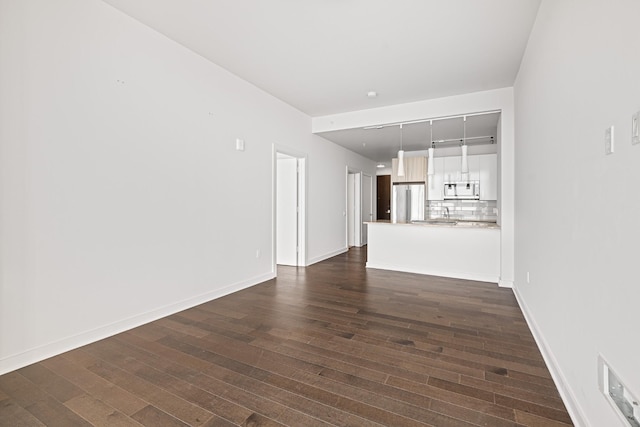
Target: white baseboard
466,275
17,361
569,399
505,283
326,256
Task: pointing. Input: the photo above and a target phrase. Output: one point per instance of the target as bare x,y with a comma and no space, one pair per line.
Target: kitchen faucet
446,213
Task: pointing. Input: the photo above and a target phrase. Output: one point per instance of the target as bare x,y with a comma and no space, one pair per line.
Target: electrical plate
635,128
608,140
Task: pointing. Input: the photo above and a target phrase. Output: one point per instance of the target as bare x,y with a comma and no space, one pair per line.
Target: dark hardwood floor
330,344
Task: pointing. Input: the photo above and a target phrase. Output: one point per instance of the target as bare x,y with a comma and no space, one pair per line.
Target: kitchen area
443,212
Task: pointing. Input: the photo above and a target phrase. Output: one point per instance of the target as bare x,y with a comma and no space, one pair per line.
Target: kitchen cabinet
415,170
488,176
474,168
452,169
483,168
435,182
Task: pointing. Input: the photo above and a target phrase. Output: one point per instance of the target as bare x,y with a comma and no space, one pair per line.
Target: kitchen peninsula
466,250
448,228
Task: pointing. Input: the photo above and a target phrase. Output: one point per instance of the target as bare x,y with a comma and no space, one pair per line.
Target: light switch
635,128
240,144
608,140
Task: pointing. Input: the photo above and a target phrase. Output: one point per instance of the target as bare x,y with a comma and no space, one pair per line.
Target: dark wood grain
330,344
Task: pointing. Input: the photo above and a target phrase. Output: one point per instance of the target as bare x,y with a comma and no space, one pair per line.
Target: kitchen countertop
442,223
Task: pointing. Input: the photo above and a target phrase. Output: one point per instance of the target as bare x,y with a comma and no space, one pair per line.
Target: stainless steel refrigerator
408,202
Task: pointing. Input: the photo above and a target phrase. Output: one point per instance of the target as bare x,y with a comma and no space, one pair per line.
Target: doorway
289,228
359,206
383,199
367,207
353,208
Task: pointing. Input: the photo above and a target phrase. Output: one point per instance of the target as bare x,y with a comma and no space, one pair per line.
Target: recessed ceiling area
382,144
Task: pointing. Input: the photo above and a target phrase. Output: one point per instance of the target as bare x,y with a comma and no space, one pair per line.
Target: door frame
357,208
362,206
350,210
301,160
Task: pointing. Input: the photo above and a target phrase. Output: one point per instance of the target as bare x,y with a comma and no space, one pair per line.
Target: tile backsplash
474,210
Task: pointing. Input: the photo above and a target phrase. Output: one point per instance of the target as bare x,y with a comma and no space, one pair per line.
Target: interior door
351,193
383,199
287,212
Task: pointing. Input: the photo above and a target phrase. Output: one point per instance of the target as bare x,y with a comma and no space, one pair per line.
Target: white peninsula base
449,251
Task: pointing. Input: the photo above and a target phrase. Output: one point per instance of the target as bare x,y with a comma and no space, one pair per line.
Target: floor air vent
626,405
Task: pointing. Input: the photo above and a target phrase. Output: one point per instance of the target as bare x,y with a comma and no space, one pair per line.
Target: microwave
469,190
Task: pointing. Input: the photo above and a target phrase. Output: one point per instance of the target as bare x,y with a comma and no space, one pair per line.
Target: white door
286,208
367,206
351,192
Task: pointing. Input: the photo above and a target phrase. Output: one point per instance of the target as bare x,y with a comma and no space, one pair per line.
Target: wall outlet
528,278
635,128
608,140
257,253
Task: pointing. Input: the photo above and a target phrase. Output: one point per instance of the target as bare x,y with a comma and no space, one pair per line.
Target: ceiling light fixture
372,94
380,165
431,119
401,156
465,163
478,140
430,167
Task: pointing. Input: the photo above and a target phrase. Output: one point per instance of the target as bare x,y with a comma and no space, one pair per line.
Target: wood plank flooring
330,344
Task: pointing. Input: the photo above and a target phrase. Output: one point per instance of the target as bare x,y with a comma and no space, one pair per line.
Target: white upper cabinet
474,168
488,177
452,167
435,182
483,168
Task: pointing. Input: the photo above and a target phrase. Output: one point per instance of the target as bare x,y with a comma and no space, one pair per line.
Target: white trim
17,361
363,221
440,273
505,283
302,194
327,256
357,206
570,401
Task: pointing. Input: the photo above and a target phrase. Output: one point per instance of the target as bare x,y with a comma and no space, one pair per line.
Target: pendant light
401,156
465,163
430,167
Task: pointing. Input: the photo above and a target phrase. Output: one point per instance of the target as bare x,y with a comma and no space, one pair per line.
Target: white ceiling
323,56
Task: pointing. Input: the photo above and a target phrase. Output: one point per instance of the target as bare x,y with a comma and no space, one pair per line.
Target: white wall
577,209
499,99
122,197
